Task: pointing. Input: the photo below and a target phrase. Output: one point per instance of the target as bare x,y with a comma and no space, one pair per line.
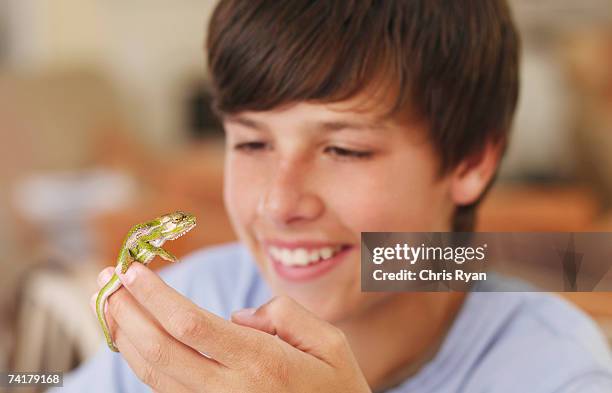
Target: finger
162,352
159,382
284,317
104,276
227,343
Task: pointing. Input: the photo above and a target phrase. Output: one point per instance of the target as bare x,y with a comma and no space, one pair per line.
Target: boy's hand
279,347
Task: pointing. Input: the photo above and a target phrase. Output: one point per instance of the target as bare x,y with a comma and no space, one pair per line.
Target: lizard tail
111,286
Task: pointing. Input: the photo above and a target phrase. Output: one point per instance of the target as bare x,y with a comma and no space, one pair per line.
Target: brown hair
452,63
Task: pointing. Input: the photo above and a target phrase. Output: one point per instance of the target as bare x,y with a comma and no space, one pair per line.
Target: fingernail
104,276
129,276
245,312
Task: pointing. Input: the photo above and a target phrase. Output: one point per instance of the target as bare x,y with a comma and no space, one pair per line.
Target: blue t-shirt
499,342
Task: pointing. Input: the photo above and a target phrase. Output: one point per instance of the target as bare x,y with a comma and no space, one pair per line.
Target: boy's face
302,182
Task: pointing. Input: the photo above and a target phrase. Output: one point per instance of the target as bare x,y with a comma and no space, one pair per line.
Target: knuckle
277,307
116,304
186,324
146,292
156,353
283,301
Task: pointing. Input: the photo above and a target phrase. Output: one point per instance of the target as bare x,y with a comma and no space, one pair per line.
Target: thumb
285,318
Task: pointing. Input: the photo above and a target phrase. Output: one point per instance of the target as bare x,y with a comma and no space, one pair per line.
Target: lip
311,271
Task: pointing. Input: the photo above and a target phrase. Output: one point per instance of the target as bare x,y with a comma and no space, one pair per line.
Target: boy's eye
347,153
340,152
250,146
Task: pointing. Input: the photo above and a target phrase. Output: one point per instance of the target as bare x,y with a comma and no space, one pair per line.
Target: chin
333,296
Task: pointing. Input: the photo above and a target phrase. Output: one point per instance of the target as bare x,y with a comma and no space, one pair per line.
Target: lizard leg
166,255
158,251
127,256
126,259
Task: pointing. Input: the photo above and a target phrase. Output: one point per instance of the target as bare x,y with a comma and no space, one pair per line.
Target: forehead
308,114
358,114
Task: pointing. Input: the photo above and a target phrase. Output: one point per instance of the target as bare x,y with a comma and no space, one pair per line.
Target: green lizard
141,244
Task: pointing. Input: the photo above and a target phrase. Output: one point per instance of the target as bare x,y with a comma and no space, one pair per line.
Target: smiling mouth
304,257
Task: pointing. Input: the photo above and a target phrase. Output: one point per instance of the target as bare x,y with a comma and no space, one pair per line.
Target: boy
343,117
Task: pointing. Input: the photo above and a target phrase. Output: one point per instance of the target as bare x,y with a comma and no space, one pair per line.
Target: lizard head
175,225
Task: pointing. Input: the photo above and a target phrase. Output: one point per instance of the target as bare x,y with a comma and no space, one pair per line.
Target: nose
290,197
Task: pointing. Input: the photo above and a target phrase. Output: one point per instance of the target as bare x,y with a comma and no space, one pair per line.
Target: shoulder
220,278
540,342
508,338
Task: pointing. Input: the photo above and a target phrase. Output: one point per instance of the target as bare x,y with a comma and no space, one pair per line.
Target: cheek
241,190
395,197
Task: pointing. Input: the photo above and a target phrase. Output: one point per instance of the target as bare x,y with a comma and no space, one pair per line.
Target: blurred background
104,122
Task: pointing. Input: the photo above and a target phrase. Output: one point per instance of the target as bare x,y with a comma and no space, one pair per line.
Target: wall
150,49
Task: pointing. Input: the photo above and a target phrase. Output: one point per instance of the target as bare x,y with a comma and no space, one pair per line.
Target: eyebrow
325,125
249,123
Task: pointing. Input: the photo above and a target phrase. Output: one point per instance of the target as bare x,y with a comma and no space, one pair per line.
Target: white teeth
275,252
302,256
326,252
286,256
